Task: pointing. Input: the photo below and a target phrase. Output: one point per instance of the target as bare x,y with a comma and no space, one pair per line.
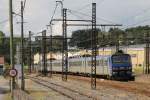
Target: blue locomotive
121,66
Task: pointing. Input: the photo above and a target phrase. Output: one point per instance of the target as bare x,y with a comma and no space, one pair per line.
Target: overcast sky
38,13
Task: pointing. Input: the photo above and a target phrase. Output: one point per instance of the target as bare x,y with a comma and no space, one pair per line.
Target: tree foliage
57,43
114,36
5,47
117,35
2,35
138,34
82,38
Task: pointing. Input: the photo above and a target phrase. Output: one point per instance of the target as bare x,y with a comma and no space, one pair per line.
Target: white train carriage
57,65
102,65
82,65
76,65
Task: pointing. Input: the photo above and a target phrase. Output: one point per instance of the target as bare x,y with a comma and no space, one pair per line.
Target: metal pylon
65,48
94,47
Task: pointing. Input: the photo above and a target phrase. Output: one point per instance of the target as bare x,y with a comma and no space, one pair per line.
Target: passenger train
116,66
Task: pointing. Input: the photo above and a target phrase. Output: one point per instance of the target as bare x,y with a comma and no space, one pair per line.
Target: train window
97,63
89,63
120,59
133,55
56,64
77,63
105,62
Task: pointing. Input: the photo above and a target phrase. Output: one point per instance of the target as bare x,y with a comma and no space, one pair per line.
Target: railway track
134,87
130,86
65,91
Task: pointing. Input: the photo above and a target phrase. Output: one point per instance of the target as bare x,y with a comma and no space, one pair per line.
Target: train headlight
114,73
114,68
128,72
130,68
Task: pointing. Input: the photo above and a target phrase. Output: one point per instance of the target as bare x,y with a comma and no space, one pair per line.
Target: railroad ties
70,93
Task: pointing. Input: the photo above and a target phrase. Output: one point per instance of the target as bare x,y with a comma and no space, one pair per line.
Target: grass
7,97
37,95
138,70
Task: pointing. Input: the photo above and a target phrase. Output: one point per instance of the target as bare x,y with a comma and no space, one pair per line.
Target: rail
70,93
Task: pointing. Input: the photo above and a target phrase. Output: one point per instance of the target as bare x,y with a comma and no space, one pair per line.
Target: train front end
122,67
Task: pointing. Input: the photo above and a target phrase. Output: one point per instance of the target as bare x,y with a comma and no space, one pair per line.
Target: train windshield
120,59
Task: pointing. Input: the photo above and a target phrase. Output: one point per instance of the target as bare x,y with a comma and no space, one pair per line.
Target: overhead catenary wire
35,34
70,12
6,20
143,11
89,4
108,21
24,5
54,12
133,16
137,23
100,2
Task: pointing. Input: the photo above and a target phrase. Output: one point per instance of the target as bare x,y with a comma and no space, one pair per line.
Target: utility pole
94,47
32,59
30,52
65,47
147,53
51,41
62,6
44,51
11,45
51,49
117,45
22,48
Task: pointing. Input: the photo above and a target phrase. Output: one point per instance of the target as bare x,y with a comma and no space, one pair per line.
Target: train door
85,64
105,66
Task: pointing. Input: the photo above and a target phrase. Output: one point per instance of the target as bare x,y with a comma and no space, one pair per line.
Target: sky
38,13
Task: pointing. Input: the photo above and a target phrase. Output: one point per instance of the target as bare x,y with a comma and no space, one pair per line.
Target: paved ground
4,87
38,92
106,90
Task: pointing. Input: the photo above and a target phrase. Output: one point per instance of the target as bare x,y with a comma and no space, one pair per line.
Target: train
117,66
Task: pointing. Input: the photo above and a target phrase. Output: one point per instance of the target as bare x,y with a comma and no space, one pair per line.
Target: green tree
57,43
82,38
2,35
5,46
137,34
117,36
